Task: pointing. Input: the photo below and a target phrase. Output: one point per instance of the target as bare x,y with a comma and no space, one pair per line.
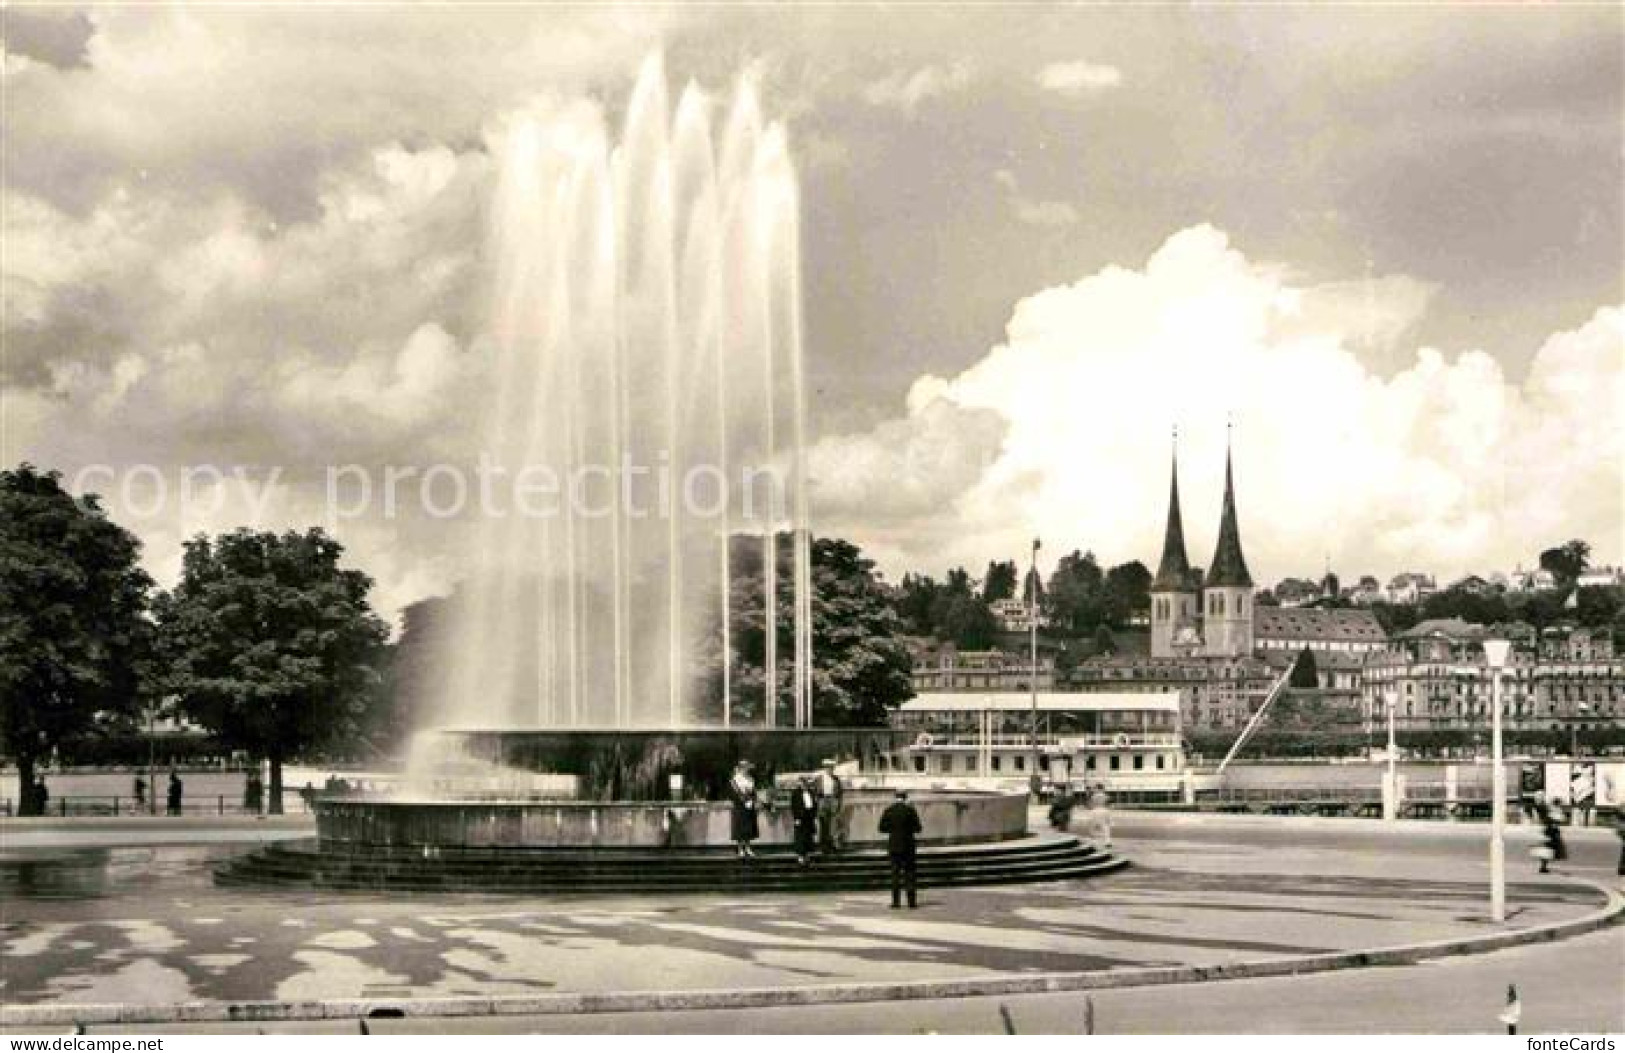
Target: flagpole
1032,673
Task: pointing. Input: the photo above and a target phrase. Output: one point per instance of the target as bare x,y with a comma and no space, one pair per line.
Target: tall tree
860,664
1598,606
1304,673
1567,561
1000,581
1128,589
73,628
966,621
1032,587
915,599
270,643
1074,600
416,675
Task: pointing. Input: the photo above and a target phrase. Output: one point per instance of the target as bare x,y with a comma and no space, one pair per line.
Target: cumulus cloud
910,467
1079,78
906,89
1448,465
264,101
249,242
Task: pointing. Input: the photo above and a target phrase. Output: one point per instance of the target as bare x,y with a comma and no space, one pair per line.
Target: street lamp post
1495,656
1034,781
152,758
1390,797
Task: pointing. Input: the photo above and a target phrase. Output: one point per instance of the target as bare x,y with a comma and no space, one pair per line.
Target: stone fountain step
811,883
488,866
1043,858
758,870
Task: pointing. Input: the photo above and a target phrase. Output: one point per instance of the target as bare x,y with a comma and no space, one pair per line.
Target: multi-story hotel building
1436,676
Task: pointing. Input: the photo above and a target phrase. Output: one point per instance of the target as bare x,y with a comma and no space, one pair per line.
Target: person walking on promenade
1100,817
742,794
140,792
1060,808
804,816
1551,850
830,792
176,790
900,822
42,796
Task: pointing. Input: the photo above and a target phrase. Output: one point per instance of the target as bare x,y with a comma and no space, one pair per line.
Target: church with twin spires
1202,615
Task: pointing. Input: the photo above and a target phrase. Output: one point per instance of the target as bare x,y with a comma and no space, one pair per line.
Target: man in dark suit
900,822
804,816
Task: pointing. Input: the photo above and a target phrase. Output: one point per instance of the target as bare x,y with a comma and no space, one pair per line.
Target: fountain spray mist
647,313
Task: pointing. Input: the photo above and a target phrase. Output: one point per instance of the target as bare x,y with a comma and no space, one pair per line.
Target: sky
1377,249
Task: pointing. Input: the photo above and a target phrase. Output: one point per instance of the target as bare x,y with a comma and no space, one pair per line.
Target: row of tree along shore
268,644
1086,608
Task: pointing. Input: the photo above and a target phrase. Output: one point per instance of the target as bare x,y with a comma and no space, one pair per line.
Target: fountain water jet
647,313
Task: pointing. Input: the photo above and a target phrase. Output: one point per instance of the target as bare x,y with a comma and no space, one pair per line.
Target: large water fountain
647,319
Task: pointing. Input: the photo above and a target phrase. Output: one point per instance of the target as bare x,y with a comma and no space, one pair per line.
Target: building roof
1316,624
1048,701
1174,571
1229,566
1450,628
1282,659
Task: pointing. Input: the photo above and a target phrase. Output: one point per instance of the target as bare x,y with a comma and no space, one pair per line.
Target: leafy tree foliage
1000,581
1483,608
1074,602
1304,673
1296,590
415,676
1032,587
860,665
1128,589
73,630
1567,561
270,643
916,603
1395,618
966,621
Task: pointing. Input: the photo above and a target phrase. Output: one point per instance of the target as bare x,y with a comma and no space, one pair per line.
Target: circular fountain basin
662,764
358,824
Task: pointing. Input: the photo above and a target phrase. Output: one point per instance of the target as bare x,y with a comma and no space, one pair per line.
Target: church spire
1174,572
1229,566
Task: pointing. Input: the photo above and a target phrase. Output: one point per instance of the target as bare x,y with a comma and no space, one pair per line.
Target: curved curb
826,994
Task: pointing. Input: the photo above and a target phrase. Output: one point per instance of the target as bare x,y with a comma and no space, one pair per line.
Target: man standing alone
804,817
901,825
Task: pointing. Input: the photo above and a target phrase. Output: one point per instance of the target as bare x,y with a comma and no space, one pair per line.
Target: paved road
1568,987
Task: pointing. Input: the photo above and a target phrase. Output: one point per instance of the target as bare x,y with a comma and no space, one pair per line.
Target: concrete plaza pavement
1569,987
97,925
